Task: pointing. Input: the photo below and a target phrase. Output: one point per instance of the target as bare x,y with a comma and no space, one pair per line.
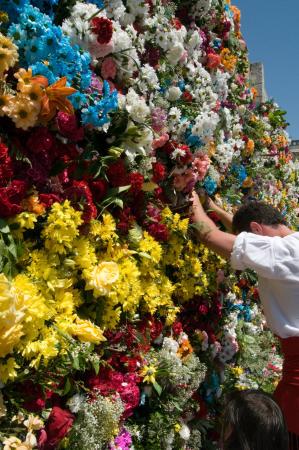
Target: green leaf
67,386
157,387
118,202
76,363
96,366
4,228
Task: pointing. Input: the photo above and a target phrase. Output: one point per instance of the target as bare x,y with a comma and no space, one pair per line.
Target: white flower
175,53
173,93
136,106
76,402
170,345
184,432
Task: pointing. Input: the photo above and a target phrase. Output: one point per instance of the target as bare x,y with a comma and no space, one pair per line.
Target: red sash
287,391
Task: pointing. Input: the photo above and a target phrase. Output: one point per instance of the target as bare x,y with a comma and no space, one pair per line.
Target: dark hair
255,211
253,421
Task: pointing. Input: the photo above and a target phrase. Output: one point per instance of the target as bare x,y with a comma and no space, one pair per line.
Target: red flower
177,328
98,189
57,426
40,140
48,199
103,28
6,165
79,193
136,181
68,127
159,171
11,198
176,23
159,231
187,96
213,60
117,174
126,219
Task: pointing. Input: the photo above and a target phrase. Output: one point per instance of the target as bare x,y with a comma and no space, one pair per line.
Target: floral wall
118,328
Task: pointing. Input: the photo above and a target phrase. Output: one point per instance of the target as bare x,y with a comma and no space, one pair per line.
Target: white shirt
276,261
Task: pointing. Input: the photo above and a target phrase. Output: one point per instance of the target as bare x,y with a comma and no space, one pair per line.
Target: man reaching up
267,245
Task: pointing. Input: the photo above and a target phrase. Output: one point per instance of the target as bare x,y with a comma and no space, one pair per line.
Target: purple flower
122,442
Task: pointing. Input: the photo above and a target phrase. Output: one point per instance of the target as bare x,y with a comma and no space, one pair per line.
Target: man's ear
256,228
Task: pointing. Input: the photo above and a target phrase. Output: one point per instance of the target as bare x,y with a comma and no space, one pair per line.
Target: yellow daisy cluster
8,54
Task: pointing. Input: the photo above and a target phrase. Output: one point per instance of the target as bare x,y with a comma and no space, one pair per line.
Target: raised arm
207,232
225,218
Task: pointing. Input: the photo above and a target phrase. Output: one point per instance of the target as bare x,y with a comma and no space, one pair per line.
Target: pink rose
108,68
160,141
185,181
201,164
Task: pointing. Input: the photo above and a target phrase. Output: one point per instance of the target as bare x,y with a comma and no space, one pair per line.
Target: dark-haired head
254,213
252,420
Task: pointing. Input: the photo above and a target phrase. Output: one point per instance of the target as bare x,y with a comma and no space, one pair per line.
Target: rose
160,141
201,163
58,424
184,182
103,276
86,331
108,68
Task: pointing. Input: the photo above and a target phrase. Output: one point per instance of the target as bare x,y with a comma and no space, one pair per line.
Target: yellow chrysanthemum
23,112
148,373
8,54
104,229
150,246
61,228
8,370
43,349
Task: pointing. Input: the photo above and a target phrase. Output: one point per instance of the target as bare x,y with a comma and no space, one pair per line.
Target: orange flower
185,349
32,204
250,147
248,182
228,60
55,99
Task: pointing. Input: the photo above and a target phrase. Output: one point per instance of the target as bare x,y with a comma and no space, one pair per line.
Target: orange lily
55,99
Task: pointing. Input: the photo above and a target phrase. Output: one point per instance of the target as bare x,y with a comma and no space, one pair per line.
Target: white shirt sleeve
270,257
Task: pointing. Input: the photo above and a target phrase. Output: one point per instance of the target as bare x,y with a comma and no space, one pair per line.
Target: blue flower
210,185
181,85
41,69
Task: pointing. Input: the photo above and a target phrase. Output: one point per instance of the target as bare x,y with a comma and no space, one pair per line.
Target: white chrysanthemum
75,403
137,107
184,432
170,345
173,93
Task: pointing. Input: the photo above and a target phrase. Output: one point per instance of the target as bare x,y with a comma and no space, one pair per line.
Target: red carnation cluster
109,382
154,226
79,193
136,181
126,220
11,198
159,172
103,28
117,174
6,165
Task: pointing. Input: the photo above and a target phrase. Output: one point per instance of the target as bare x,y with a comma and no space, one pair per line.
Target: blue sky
271,30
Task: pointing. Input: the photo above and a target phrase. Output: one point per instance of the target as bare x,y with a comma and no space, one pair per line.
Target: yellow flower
102,277
148,373
22,112
86,331
177,427
62,227
237,371
24,78
149,245
8,54
8,370
34,93
33,423
5,101
105,229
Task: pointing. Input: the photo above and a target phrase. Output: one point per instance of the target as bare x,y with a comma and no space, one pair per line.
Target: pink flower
185,182
68,127
201,164
108,68
160,141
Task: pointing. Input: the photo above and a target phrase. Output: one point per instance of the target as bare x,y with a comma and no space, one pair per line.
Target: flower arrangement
118,329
